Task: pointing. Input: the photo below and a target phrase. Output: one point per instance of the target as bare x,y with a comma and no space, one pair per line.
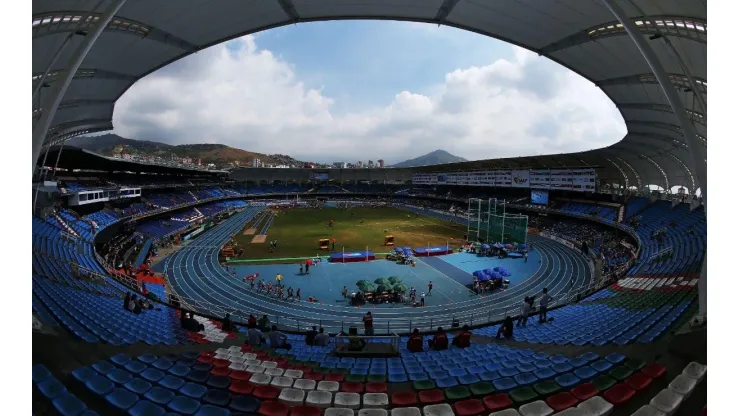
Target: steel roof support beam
51,64
699,97
444,10
65,78
289,9
689,132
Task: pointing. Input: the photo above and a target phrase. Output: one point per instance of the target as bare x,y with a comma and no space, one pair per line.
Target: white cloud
248,98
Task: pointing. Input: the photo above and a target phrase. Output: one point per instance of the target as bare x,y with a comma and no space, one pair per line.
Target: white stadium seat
695,370
292,397
373,412
282,382
293,373
683,385
507,412
304,384
256,369
375,400
259,378
443,409
647,410
667,401
335,411
536,408
596,406
347,400
406,411
274,371
572,411
237,366
321,399
269,364
328,386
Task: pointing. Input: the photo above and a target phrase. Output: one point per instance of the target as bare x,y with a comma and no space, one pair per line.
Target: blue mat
144,251
432,251
454,273
351,256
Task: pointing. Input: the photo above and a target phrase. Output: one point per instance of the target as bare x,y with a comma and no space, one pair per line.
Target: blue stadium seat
146,408
69,405
184,405
121,399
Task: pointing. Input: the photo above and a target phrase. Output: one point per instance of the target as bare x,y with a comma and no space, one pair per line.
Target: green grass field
298,231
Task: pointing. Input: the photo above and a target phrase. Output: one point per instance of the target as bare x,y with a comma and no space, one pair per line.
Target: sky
360,90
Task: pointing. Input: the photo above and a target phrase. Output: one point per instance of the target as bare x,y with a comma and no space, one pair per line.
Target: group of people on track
278,289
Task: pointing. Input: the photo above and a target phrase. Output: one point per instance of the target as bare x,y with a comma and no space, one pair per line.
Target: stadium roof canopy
582,35
76,158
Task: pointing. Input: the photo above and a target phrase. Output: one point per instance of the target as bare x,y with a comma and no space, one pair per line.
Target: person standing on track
429,293
298,294
544,301
251,284
367,320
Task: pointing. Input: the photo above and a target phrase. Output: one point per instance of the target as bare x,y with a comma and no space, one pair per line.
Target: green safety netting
394,280
400,287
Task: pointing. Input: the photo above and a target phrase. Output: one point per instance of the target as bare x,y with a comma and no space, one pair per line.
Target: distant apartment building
381,163
339,165
370,164
256,163
359,164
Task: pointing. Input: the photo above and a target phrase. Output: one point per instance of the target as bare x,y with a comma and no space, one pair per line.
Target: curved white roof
582,35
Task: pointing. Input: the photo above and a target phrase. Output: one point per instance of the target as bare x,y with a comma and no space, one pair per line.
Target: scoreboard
577,179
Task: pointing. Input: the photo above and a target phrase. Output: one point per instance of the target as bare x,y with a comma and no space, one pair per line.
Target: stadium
151,282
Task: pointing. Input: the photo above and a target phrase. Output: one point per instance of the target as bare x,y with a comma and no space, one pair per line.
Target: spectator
544,301
251,321
355,342
440,341
191,324
311,336
263,323
462,340
507,329
255,336
525,312
227,325
367,320
125,300
278,339
415,342
322,338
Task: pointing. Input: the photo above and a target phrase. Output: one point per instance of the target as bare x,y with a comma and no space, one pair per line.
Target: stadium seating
197,383
683,230
605,212
612,315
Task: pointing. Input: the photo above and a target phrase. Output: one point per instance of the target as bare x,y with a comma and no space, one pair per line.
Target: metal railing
342,342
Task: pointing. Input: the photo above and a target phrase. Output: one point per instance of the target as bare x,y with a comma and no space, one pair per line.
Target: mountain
436,157
221,155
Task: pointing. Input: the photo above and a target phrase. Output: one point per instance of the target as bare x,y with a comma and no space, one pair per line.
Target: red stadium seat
305,411
470,407
584,391
313,376
334,377
241,387
561,401
205,359
403,398
496,402
619,394
638,381
220,363
281,362
273,408
431,397
240,375
376,387
220,371
352,387
246,348
654,370
263,392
